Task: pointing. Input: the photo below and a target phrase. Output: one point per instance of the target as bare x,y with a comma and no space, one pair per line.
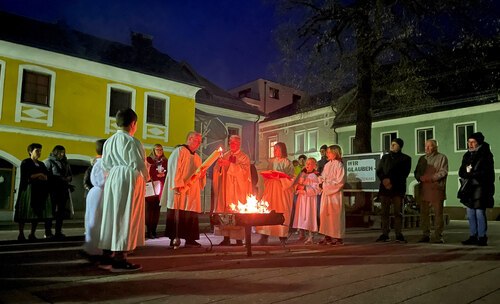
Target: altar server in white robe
123,159
93,205
182,192
332,212
231,184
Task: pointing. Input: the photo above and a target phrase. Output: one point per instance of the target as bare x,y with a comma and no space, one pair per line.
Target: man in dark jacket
477,174
392,171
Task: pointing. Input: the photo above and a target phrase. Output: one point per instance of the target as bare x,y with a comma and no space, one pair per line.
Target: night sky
229,42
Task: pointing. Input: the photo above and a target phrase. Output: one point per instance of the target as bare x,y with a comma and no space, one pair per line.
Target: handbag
153,188
464,188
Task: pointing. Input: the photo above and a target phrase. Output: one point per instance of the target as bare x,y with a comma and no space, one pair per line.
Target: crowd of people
121,212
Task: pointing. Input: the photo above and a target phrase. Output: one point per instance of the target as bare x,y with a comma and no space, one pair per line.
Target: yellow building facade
53,99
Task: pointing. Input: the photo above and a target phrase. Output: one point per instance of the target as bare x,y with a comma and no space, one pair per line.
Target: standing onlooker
60,177
392,171
300,165
321,164
231,184
431,173
278,192
477,174
33,201
332,213
183,192
157,172
323,160
123,159
93,208
307,190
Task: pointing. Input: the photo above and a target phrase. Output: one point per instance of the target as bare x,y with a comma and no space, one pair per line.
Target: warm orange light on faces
277,152
310,165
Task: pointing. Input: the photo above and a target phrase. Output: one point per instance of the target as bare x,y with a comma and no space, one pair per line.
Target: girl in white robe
307,190
332,213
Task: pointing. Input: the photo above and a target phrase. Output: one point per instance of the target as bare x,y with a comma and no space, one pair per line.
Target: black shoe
239,243
124,266
225,242
482,241
192,244
383,238
264,239
48,235
21,238
283,240
106,262
32,238
472,240
401,239
59,236
337,242
425,239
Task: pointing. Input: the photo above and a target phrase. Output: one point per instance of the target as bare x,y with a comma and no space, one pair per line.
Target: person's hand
468,168
179,190
387,183
160,174
223,162
203,173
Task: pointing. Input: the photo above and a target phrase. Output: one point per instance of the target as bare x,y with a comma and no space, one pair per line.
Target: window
119,99
232,129
351,144
422,136
274,93
272,140
35,94
156,107
462,132
296,98
35,88
312,140
244,93
386,139
300,141
156,110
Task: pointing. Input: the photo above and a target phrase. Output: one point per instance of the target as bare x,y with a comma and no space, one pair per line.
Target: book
274,174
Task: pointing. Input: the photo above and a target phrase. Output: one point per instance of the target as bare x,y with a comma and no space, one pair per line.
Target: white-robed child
93,209
332,212
307,190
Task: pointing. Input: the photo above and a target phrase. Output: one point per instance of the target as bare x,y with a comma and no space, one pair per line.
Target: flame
252,206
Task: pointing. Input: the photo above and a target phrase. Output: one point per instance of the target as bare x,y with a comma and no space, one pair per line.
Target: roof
213,95
140,57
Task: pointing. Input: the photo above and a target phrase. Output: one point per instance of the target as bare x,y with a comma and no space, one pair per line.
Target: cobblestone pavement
361,271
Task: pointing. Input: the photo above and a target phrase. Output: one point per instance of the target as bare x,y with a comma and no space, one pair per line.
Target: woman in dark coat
33,203
157,163
60,177
477,174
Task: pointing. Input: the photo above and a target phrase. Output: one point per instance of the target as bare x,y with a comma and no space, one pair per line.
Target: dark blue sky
230,42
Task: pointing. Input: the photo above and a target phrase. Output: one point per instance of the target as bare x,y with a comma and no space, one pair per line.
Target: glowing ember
252,206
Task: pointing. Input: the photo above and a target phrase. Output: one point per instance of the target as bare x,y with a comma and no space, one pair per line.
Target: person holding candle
182,193
231,184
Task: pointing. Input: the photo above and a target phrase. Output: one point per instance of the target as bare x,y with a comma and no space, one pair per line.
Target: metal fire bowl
259,219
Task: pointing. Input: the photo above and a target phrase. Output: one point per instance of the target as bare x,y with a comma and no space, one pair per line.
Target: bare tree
378,47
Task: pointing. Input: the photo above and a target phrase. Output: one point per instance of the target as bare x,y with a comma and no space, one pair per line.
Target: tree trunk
362,141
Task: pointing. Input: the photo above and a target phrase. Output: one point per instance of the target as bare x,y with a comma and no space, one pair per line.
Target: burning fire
252,206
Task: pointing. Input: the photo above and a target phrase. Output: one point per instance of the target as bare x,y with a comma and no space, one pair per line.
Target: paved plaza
361,271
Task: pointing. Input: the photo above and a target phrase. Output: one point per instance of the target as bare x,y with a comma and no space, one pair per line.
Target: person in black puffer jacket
477,175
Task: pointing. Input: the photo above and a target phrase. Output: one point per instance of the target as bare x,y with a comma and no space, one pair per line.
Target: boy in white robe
123,159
